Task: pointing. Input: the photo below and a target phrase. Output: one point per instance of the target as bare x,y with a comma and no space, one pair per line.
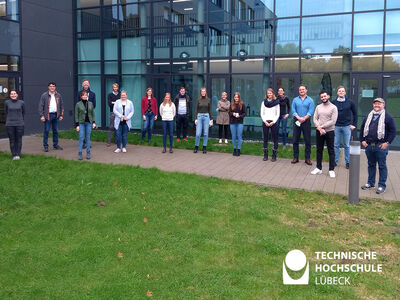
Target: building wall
47,55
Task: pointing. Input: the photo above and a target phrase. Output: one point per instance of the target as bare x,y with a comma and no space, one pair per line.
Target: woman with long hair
284,107
123,110
14,109
237,112
223,117
149,113
203,119
167,113
270,114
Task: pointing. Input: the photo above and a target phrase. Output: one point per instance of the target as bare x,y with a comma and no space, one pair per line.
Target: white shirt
269,113
167,112
53,104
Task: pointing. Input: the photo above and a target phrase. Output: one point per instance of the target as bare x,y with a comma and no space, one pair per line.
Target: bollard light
354,172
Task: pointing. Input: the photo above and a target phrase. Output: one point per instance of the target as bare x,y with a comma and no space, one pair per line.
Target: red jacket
154,107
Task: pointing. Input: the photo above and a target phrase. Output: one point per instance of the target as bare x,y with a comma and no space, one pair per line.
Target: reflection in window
218,40
326,34
9,63
392,62
325,63
188,12
135,15
161,14
287,8
110,18
135,44
9,9
392,4
161,43
368,4
189,41
219,66
89,49
135,87
251,65
368,32
88,20
392,37
286,64
324,81
367,62
87,3
218,11
287,36
329,6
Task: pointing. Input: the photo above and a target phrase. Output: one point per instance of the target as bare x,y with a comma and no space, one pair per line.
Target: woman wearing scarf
270,112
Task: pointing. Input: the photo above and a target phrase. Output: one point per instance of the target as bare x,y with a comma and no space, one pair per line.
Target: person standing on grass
302,111
284,109
112,98
270,112
237,112
203,119
149,113
14,110
223,117
123,111
84,121
325,117
167,113
182,103
377,132
345,124
51,109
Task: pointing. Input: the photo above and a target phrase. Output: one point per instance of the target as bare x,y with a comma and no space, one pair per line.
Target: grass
180,236
248,147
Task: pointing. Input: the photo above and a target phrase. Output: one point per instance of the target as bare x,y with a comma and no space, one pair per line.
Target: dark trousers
305,127
274,135
376,155
224,128
111,128
53,122
182,122
15,134
168,128
329,138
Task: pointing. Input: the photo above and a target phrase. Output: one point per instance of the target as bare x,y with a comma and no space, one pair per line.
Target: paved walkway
244,168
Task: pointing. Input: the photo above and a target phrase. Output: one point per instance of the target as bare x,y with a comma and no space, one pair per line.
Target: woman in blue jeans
284,108
203,119
123,111
167,113
237,112
149,113
84,121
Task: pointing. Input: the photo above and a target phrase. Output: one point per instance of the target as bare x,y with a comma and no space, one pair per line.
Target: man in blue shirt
302,110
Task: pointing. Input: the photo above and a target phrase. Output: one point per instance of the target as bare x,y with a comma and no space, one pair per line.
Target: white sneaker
17,157
117,150
220,141
226,141
123,150
316,171
332,174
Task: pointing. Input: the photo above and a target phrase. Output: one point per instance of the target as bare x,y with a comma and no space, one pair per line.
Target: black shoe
164,150
234,152
80,156
380,190
196,148
204,149
265,155
238,152
274,152
88,156
347,165
295,161
58,147
46,149
171,151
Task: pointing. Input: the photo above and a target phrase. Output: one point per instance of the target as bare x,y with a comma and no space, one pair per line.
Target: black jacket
188,104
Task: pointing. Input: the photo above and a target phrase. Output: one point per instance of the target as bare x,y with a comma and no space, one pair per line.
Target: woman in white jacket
167,113
270,114
123,111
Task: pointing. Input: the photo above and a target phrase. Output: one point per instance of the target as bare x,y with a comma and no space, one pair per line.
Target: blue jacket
347,112
390,131
302,108
92,97
118,110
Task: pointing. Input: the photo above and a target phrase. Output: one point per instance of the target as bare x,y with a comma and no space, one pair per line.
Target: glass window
161,14
392,62
252,10
161,67
192,84
189,41
9,63
367,62
110,67
135,44
392,37
368,32
89,68
252,38
110,49
161,43
218,40
392,4
368,4
88,20
9,10
188,12
135,15
287,36
325,63
87,3
251,65
329,6
286,64
326,34
110,2
219,66
110,18
189,66
218,11
135,87
89,49
135,67
287,8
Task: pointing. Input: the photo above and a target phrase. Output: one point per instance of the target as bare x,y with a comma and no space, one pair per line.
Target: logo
295,260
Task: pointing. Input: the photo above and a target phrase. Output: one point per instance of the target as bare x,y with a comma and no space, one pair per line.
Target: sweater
236,109
167,112
15,112
203,106
347,112
372,137
284,103
113,98
325,116
91,95
269,113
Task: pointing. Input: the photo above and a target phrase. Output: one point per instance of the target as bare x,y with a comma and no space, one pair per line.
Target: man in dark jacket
182,103
86,88
112,98
377,131
51,109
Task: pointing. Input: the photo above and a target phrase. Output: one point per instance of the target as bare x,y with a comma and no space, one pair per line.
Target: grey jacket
44,104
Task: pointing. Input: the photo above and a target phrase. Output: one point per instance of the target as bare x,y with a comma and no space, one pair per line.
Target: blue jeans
148,126
203,123
284,128
237,131
377,155
53,122
168,128
345,132
122,131
85,130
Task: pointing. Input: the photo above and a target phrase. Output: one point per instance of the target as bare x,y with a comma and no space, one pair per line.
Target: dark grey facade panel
9,32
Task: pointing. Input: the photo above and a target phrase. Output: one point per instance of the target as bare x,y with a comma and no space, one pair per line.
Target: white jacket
269,113
118,110
167,112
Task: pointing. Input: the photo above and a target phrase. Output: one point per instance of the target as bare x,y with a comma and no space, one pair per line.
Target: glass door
290,84
217,85
391,94
6,84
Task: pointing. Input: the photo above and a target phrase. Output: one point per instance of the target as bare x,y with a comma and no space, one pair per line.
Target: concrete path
244,168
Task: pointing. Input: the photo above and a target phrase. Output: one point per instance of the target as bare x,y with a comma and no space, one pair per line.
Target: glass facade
238,45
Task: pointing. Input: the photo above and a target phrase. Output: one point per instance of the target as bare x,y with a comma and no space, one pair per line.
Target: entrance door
391,94
290,84
6,84
108,82
217,85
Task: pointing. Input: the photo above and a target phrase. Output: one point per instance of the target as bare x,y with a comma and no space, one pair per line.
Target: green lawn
180,236
248,147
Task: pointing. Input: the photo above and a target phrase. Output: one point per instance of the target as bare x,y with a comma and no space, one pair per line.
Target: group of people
334,121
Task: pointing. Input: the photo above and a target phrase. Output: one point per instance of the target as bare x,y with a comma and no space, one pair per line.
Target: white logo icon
295,260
